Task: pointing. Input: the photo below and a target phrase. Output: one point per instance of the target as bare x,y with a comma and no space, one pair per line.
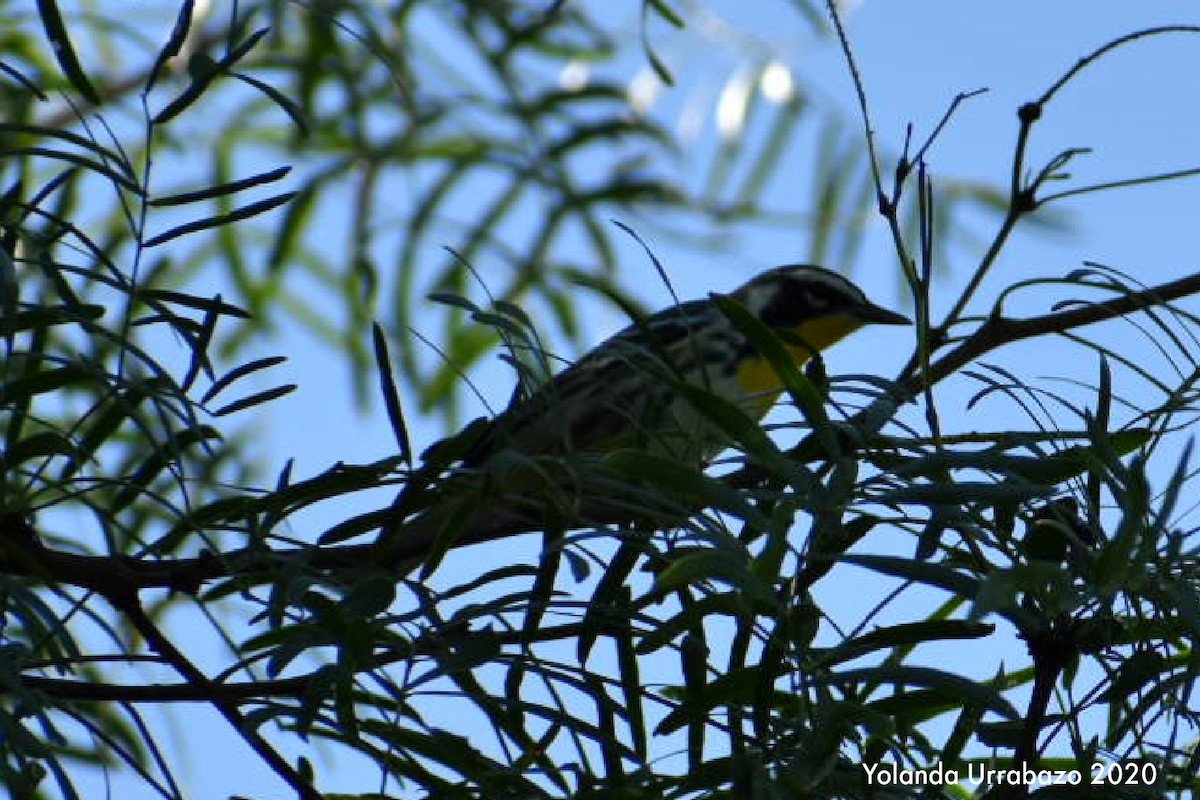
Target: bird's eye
795,301
814,300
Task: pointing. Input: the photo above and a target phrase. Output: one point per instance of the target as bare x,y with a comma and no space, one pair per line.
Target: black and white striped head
789,296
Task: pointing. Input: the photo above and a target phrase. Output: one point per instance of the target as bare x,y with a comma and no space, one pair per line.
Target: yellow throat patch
758,378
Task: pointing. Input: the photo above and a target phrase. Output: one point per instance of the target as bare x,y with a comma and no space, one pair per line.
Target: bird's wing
603,400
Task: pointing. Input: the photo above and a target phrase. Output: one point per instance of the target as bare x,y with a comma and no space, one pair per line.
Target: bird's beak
878,315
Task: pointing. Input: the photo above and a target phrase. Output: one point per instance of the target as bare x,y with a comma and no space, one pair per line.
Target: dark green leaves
64,51
245,212
203,71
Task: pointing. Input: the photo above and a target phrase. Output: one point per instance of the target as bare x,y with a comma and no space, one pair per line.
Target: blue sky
1135,110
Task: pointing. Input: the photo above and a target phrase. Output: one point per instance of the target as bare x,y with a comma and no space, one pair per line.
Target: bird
624,393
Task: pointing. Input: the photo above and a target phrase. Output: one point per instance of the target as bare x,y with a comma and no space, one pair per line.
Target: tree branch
170,693
129,603
998,331
293,687
110,575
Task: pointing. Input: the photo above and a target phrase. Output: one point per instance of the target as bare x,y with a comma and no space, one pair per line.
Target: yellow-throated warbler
622,393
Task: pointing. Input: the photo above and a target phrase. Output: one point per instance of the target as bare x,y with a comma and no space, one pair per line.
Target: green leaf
958,493
42,317
203,71
279,98
610,601
1134,673
229,378
90,166
948,684
391,397
370,597
221,220
665,12
39,445
905,635
104,155
752,439
174,44
64,51
255,399
721,565
207,304
220,190
768,344
942,577
696,489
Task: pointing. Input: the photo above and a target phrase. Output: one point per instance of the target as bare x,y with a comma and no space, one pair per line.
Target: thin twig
1121,184
1107,48
130,604
860,91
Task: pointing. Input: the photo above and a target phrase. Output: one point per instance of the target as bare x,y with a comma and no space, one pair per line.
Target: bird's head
816,306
